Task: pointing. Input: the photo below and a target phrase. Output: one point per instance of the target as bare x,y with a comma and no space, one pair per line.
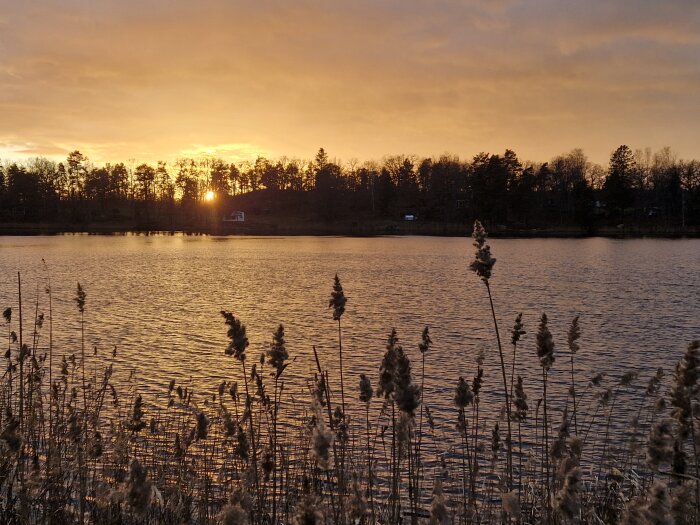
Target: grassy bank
80,446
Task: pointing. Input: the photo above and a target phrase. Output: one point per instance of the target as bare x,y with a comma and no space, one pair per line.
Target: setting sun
209,196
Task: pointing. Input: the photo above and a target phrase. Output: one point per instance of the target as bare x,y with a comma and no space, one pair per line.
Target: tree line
641,187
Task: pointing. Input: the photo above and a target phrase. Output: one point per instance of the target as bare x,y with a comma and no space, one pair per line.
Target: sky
161,79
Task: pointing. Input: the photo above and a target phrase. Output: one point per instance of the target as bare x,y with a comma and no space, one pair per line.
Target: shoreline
354,229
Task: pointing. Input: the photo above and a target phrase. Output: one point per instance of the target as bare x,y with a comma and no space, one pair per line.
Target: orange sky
158,79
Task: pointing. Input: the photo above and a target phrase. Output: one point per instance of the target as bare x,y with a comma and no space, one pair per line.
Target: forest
638,188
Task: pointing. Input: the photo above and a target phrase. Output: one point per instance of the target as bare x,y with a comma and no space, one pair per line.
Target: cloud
153,79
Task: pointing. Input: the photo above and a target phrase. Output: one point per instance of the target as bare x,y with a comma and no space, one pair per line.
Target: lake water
157,299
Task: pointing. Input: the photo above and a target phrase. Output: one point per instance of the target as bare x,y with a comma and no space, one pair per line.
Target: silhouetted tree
617,187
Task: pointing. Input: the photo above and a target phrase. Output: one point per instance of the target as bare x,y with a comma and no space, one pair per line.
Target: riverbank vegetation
643,190
79,446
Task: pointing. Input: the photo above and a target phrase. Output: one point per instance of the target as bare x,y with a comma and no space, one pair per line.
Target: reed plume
482,265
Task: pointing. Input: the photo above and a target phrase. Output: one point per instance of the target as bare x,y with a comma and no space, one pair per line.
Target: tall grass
79,446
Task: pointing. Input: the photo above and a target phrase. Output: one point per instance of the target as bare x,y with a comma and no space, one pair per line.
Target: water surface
157,300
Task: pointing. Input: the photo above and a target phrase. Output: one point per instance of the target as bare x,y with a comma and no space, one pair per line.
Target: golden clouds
158,79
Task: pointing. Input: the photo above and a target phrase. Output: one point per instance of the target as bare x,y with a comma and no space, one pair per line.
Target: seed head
521,407
202,426
238,341
660,447
463,395
387,369
477,382
425,343
277,354
406,393
545,344
573,335
337,300
517,329
568,500
439,514
483,262
80,299
366,392
139,494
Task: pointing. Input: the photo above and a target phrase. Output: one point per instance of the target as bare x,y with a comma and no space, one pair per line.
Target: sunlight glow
209,196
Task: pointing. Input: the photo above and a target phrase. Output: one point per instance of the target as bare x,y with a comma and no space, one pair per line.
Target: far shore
339,228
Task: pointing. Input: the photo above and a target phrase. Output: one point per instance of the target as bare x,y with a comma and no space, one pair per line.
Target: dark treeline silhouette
636,189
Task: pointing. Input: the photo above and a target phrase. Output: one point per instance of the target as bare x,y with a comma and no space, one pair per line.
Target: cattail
139,488
517,331
545,344
277,354
425,343
439,514
463,395
660,447
337,300
366,391
483,262
521,406
80,299
238,341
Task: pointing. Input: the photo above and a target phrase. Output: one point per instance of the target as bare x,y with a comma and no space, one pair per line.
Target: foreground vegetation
80,447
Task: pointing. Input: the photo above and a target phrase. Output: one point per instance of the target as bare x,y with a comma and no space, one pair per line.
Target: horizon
159,81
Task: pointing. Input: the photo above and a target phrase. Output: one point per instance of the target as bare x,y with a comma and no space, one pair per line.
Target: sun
209,196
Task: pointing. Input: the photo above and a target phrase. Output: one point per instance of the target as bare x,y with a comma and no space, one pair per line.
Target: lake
157,300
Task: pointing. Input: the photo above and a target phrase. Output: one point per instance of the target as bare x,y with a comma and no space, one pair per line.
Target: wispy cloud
156,79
